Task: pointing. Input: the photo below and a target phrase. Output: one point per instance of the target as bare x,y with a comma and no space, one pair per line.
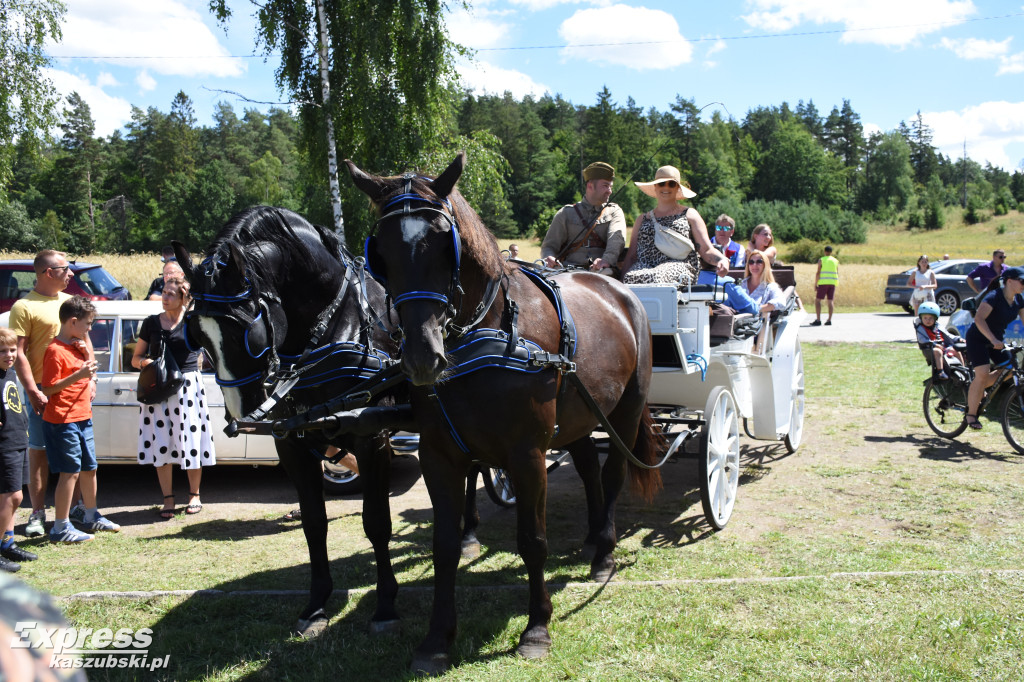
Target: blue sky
960,62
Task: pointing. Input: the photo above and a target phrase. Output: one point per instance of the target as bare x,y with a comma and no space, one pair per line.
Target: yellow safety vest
829,271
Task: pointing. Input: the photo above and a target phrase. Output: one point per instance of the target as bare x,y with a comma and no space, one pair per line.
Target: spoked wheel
719,462
1013,419
945,406
499,487
796,412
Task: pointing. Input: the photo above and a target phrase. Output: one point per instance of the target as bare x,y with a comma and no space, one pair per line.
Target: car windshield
97,281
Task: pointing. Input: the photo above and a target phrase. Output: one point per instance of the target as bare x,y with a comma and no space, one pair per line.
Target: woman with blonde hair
759,283
761,239
177,430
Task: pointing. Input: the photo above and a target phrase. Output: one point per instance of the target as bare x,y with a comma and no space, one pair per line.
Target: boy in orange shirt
67,420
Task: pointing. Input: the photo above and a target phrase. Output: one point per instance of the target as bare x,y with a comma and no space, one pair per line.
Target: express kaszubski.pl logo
88,648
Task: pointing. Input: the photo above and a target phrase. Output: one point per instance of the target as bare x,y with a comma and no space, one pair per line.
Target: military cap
599,170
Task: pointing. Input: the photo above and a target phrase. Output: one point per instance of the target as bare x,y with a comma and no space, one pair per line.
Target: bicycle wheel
1013,419
945,406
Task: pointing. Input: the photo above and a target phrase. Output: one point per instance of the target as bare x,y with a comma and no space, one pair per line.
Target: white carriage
714,371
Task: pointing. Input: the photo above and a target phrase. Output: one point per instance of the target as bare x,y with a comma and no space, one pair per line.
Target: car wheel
909,308
947,301
340,480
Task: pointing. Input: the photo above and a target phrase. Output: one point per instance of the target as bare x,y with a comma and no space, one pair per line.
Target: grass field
878,551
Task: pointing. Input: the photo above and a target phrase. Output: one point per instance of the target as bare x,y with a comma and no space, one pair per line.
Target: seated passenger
667,242
761,239
759,283
931,338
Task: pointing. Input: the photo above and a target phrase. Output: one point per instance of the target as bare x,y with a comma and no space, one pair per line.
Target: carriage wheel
1013,419
719,462
498,486
945,406
798,402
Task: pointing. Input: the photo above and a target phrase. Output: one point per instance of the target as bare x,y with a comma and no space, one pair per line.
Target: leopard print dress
654,267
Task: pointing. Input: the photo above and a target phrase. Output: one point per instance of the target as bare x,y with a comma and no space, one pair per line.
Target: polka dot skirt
178,430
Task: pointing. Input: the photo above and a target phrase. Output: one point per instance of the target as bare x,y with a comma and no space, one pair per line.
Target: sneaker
15,553
828,323
35,526
77,513
9,566
943,376
103,523
70,535
816,323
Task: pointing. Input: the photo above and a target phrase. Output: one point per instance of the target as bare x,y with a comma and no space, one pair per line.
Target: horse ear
184,258
237,257
371,185
444,183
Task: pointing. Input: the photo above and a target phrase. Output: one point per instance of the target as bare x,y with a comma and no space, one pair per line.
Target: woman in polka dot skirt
176,431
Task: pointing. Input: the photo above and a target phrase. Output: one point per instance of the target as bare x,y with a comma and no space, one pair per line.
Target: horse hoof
470,550
312,627
602,574
385,627
534,643
430,665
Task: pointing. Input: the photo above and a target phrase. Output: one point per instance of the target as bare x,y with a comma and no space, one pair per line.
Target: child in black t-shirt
13,442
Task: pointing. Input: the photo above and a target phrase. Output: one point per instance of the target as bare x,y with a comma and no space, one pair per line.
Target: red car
17,278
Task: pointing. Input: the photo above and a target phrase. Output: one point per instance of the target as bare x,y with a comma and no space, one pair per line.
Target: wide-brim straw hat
661,175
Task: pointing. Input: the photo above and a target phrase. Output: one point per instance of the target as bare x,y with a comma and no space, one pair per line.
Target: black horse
491,349
265,283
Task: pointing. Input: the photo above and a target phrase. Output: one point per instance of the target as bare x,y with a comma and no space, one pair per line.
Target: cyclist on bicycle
932,339
1002,302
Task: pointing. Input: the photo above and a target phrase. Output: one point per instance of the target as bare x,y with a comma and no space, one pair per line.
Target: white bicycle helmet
929,308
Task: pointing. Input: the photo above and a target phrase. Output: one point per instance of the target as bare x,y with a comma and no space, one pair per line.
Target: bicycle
945,400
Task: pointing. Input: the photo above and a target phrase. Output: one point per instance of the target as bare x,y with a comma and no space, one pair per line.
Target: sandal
293,515
194,507
168,512
972,422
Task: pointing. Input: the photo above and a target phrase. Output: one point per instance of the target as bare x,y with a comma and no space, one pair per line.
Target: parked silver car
950,275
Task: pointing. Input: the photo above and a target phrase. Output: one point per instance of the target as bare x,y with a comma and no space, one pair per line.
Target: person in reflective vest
825,281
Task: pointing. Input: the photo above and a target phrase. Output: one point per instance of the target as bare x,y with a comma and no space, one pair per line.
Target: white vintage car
115,412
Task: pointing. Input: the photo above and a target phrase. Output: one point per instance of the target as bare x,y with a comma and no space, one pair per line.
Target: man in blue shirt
722,240
986,272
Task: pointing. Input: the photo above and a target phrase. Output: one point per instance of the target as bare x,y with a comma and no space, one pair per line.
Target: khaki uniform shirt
606,241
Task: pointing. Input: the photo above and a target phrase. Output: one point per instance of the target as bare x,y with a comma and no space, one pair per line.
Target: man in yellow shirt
34,319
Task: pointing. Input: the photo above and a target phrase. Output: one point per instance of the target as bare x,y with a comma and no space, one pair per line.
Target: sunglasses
60,268
669,183
756,262
722,228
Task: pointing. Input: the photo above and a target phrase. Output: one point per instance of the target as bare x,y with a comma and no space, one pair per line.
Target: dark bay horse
264,284
489,349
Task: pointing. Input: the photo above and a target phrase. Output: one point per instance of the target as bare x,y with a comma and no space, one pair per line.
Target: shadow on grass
945,450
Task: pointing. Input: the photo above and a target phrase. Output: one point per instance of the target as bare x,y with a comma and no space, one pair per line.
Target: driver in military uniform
591,233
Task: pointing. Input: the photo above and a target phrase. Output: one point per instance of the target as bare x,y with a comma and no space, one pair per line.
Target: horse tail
649,447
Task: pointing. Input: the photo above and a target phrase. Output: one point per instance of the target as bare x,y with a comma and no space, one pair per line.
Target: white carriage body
757,370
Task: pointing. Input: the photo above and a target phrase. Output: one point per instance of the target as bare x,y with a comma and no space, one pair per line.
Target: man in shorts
825,281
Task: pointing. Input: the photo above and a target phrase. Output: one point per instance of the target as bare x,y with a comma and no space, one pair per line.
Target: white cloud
1011,64
909,19
109,113
173,37
538,5
635,37
145,82
989,128
482,77
106,80
473,29
715,48
975,48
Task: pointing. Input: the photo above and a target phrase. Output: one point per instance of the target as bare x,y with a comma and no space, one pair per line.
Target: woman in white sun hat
667,242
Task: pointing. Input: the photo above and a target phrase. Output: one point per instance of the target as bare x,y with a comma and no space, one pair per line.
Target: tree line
814,176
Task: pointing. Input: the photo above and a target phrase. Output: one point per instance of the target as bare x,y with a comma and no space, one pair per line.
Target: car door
112,442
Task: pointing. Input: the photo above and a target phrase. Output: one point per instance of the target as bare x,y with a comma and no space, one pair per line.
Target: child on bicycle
931,338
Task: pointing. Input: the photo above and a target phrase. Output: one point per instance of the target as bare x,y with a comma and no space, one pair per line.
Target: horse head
234,308
418,250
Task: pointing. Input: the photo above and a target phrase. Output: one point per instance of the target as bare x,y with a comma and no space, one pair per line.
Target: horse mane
271,225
